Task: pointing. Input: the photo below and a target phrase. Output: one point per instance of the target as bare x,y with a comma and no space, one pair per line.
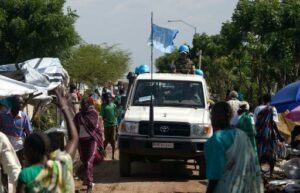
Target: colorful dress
55,177
90,141
267,135
231,160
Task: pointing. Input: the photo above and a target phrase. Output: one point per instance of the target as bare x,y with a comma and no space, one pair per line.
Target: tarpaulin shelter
40,75
43,73
287,98
10,87
294,115
286,126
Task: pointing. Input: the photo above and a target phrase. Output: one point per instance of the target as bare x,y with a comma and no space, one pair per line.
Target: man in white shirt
234,103
10,163
266,102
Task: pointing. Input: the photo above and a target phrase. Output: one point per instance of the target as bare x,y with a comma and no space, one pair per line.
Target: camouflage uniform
184,66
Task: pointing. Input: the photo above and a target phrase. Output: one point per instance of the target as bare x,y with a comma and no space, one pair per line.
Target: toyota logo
164,129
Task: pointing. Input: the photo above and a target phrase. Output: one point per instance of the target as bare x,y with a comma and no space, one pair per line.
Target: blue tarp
287,98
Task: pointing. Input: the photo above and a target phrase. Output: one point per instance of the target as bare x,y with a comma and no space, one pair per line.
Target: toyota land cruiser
181,121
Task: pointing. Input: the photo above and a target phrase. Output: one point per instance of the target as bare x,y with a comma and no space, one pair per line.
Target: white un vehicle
181,123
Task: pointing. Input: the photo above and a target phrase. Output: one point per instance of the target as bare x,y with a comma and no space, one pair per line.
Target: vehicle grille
165,128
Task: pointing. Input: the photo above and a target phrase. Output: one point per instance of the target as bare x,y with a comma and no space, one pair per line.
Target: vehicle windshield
169,93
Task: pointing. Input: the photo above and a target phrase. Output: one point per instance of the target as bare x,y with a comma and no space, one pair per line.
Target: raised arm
63,104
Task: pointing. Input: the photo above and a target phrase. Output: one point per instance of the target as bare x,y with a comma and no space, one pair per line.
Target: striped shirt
16,128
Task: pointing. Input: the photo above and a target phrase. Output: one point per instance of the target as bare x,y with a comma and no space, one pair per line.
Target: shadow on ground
108,172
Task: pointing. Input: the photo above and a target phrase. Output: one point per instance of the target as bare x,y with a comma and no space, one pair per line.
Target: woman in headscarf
88,124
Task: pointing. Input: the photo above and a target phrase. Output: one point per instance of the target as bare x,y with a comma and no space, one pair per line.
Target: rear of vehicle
181,123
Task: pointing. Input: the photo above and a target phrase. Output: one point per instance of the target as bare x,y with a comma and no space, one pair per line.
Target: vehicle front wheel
124,164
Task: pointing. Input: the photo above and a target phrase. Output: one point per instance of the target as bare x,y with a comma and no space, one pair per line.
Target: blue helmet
184,49
136,71
199,72
143,68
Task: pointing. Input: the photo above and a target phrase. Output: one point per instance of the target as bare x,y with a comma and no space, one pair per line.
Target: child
109,116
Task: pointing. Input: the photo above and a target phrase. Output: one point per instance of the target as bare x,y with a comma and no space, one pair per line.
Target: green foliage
163,63
269,42
95,64
35,28
46,118
258,50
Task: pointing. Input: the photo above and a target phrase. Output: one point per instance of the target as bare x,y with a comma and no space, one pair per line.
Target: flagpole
151,45
151,113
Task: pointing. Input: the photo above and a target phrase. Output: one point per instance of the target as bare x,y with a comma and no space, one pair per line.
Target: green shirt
55,176
109,115
28,174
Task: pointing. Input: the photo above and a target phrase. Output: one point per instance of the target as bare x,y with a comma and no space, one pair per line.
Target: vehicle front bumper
184,148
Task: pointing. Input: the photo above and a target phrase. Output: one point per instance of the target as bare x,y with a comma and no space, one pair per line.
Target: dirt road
161,177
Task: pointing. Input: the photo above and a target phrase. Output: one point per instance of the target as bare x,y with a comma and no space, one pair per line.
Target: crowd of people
32,161
97,123
243,140
35,162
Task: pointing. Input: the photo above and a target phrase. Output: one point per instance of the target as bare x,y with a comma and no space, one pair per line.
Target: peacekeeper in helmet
183,64
141,69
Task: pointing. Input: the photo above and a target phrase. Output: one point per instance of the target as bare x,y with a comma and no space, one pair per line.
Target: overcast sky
127,22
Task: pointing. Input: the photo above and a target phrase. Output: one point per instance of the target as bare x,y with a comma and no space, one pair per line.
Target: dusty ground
161,177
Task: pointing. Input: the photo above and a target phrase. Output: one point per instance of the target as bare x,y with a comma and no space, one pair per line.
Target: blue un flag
163,38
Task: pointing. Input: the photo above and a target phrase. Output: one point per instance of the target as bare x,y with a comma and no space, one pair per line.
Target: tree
291,32
163,63
262,37
257,50
95,64
35,28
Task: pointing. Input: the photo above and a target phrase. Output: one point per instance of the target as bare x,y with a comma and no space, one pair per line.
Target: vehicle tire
202,170
124,164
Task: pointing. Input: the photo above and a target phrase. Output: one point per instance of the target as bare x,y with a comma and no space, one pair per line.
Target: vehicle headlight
129,127
201,130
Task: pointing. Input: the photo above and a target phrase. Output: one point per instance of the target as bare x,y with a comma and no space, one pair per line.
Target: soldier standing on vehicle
183,64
